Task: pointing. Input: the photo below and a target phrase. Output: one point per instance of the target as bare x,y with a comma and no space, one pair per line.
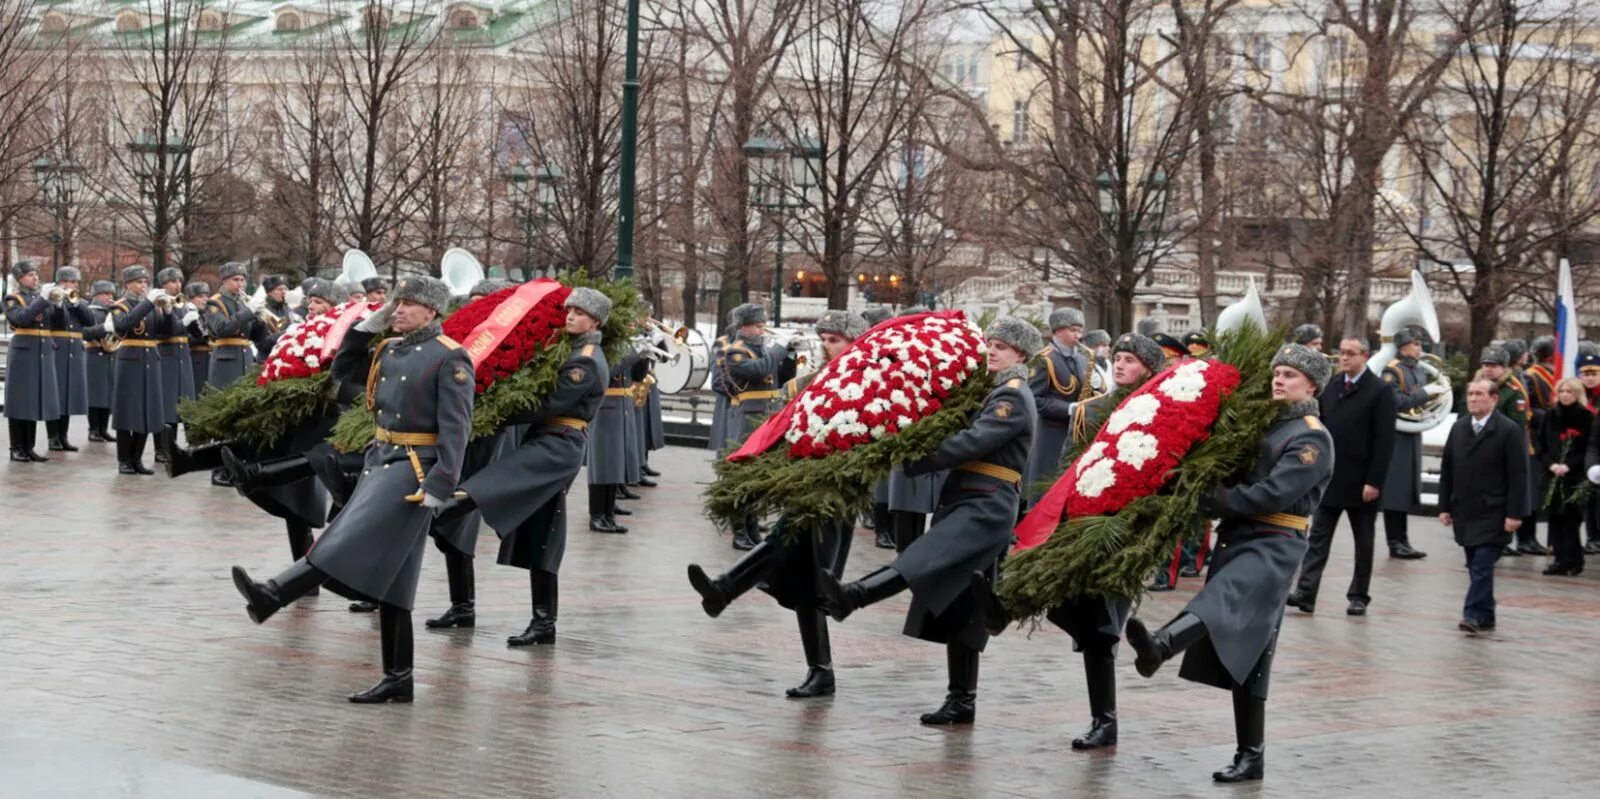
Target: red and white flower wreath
894,375
298,352
1146,437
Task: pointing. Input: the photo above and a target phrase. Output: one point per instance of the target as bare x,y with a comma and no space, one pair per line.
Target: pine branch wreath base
1114,555
259,415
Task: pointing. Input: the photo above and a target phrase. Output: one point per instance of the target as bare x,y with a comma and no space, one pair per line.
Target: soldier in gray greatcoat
177,368
753,371
1402,486
198,293
100,359
1230,628
719,389
32,391
72,316
785,564
375,289
971,529
1059,379
607,458
233,327
138,406
522,494
421,391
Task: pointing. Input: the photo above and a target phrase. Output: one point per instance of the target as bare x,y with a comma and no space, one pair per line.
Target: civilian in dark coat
1560,443
1483,494
1359,411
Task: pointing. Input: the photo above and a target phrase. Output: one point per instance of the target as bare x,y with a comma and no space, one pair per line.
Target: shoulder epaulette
587,351
449,343
15,296
1313,422
1015,382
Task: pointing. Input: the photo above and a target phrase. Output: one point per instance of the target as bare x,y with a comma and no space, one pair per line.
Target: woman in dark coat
1563,436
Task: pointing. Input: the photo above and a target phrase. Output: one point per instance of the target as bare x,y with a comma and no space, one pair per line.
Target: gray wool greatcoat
177,366
138,404
32,387
418,384
72,361
611,434
1058,381
233,329
977,510
100,362
1260,543
719,408
522,493
752,373
1402,485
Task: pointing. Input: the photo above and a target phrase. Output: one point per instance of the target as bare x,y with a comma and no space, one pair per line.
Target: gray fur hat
1095,338
914,310
21,268
132,273
1494,355
68,274
423,290
1305,334
1148,327
374,284
1544,348
169,275
272,282
1314,365
1065,317
198,288
1515,348
1407,335
231,269
1020,335
748,314
310,284
876,315
592,302
328,291
102,287
843,323
485,287
1142,347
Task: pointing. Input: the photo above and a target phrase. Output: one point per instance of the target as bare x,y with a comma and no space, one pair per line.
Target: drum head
688,366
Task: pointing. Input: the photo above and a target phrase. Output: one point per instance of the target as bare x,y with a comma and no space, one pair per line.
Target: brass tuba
1416,308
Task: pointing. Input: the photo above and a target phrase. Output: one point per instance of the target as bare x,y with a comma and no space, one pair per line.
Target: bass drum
688,364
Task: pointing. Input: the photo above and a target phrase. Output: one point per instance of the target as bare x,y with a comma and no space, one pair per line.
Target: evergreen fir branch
259,415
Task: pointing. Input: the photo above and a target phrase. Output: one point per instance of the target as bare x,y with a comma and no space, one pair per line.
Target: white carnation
1186,383
1140,410
1095,452
1135,448
1093,481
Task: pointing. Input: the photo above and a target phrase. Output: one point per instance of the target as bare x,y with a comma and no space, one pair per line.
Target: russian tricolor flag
1566,325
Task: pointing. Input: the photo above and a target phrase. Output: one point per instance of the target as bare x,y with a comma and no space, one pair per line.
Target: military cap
423,290
485,287
102,287
271,282
1171,346
1589,363
914,310
1515,348
1196,343
843,323
1494,355
374,284
198,288
1019,335
328,291
1314,365
592,302
132,273
1305,334
1142,347
1544,348
1148,327
168,275
231,269
68,274
1095,338
1065,317
21,268
1407,335
748,314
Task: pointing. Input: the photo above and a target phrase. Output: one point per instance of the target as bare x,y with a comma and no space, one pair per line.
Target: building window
128,22
53,23
1019,122
1023,63
463,19
290,21
209,21
972,69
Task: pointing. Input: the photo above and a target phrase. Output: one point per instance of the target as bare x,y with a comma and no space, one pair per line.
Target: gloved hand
431,501
1594,473
53,294
110,325
378,320
156,296
191,317
1434,389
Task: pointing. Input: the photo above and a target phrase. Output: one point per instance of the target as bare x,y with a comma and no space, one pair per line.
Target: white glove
378,321
190,318
1434,389
1594,473
110,326
155,295
431,501
54,294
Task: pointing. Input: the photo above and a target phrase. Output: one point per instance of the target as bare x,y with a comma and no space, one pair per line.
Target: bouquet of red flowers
299,350
533,333
892,397
1559,495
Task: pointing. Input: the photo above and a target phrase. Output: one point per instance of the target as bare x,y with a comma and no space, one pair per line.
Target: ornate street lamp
59,185
782,177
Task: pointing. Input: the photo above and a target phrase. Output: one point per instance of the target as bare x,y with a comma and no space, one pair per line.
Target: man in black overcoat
1483,494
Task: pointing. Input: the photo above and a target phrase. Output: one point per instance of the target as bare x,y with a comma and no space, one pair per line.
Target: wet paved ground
130,669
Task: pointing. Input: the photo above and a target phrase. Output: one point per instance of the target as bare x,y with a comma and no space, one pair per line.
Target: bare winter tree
1504,154
447,111
296,147
29,78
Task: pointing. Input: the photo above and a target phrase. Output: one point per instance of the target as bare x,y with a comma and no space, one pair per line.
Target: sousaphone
460,271
1416,308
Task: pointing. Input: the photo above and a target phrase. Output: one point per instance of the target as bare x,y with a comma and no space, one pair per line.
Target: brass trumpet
274,322
163,301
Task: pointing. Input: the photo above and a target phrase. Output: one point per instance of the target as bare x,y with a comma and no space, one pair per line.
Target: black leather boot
1100,676
842,600
649,472
57,431
264,599
882,526
463,611
992,613
300,541
624,493
166,441
23,434
598,505
394,625
819,655
363,606
97,426
542,629
747,573
961,702
611,507
1160,647
248,475
746,535
136,442
1250,726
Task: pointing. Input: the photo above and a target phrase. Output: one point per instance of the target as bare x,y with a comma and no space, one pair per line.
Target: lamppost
782,179
59,184
533,195
157,159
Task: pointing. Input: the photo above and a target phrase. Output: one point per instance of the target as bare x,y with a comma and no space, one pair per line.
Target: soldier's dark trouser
1528,533
23,433
881,518
962,662
300,538
1394,528
908,527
